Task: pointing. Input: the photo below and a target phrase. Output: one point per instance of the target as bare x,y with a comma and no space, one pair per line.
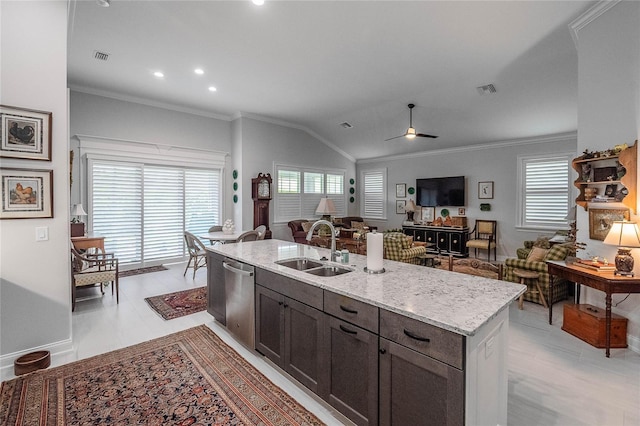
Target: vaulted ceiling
317,64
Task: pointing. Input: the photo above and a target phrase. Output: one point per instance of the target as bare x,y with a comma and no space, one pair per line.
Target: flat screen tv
443,191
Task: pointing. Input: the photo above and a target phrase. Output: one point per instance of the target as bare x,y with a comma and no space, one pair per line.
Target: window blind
546,190
374,196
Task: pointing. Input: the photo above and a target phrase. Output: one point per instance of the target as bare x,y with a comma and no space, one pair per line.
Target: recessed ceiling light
212,89
199,71
158,74
258,2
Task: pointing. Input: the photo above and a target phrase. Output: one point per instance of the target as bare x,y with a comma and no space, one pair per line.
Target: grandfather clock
261,194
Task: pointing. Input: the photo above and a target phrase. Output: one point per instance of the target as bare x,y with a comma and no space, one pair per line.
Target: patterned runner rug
139,271
190,377
180,303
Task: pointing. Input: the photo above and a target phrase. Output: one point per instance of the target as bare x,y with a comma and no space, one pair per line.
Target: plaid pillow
557,252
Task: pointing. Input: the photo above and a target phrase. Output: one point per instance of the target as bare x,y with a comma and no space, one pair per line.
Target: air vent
101,56
487,89
346,125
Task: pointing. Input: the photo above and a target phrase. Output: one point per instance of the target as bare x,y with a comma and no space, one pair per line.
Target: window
545,191
374,195
143,210
299,192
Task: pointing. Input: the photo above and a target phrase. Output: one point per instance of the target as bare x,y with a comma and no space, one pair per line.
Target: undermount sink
301,263
328,271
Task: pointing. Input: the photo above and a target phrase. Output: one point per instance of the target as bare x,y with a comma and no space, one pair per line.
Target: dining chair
91,269
248,236
197,253
484,237
262,231
215,228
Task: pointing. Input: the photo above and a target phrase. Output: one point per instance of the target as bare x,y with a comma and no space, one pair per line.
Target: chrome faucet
334,254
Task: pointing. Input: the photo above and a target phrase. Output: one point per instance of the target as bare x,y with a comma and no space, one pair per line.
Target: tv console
445,239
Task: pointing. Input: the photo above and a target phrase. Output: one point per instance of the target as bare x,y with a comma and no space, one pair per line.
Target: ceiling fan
411,132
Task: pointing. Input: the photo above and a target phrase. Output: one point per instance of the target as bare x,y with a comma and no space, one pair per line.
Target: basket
31,362
460,221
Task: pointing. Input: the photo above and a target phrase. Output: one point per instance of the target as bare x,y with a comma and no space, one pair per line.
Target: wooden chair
476,264
262,231
197,253
248,236
484,238
90,269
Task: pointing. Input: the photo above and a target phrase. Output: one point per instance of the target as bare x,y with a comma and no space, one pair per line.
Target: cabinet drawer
427,339
351,310
294,289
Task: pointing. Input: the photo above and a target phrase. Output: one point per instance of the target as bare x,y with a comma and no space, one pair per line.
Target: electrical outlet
42,233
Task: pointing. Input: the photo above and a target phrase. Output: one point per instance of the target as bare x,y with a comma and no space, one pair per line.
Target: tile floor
554,378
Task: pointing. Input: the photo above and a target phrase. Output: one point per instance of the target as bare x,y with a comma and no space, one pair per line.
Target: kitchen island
412,345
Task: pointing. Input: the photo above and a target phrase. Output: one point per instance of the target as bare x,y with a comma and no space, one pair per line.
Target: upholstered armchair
352,222
297,232
536,262
398,247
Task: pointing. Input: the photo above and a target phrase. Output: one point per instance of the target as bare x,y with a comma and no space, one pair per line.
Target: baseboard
56,349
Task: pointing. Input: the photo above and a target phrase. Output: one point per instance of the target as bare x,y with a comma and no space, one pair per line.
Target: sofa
538,264
398,247
348,222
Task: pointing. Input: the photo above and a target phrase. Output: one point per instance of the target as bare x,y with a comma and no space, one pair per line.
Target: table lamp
77,226
626,236
326,208
410,208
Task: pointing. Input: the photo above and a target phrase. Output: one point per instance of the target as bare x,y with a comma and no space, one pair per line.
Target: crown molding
297,127
589,16
560,137
148,102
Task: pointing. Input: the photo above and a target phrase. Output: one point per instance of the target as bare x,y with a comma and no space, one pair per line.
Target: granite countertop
456,302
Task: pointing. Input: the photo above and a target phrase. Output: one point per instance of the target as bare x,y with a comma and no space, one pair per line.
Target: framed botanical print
25,133
485,190
428,214
600,221
400,206
401,190
26,194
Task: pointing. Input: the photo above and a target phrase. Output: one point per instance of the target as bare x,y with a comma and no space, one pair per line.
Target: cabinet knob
455,241
280,303
286,306
383,351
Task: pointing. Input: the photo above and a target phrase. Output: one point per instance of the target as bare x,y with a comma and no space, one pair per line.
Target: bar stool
529,275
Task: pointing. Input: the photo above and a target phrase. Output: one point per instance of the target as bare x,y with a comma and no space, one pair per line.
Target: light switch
42,233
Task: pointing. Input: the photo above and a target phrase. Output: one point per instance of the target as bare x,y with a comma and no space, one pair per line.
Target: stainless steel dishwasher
240,300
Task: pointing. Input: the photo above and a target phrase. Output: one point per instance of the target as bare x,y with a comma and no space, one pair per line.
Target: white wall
498,164
35,301
609,114
264,144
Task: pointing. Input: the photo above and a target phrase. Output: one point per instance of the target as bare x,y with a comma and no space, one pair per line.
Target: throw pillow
358,226
542,242
537,254
306,226
557,252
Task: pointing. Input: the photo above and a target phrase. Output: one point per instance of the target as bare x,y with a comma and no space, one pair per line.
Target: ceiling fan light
411,133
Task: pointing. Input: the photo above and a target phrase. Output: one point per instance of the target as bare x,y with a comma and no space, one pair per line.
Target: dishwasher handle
228,267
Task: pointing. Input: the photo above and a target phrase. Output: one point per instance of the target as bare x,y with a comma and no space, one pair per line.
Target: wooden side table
88,241
529,275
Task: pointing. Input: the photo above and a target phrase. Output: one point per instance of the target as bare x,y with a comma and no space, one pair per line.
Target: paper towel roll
374,251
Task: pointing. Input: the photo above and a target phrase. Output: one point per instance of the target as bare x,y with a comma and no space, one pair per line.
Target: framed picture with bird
26,194
25,133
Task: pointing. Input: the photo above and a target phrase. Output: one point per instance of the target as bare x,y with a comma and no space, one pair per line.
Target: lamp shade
77,210
410,206
623,234
326,207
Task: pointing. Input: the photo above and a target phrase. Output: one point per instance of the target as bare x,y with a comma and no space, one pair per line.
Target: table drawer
427,339
351,310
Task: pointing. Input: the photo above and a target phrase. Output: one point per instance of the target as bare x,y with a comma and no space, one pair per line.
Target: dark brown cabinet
289,333
444,240
215,291
352,371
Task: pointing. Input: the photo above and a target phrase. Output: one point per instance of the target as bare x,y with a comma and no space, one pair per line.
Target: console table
444,239
88,241
603,281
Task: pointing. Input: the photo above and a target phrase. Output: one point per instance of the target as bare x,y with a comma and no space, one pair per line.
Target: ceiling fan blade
401,136
423,135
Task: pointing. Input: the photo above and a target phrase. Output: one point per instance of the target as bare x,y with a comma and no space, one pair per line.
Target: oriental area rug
139,271
180,303
190,377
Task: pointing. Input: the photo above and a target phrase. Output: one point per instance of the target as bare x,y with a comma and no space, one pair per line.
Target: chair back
262,231
215,228
393,244
485,230
194,245
248,236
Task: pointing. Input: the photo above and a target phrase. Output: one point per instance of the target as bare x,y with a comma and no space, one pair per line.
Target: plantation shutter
335,191
374,194
288,196
546,192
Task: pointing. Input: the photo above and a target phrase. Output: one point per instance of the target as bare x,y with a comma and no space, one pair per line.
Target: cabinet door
443,241
270,324
418,390
353,371
431,236
215,288
455,243
408,231
419,235
304,351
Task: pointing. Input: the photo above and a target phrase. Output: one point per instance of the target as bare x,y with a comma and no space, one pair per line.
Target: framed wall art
485,190
400,206
25,133
401,190
26,194
600,221
428,214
